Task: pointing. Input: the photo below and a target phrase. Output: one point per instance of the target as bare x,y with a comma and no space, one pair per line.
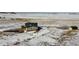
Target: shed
31,26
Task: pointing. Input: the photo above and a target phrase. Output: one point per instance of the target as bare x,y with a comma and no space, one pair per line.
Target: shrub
74,27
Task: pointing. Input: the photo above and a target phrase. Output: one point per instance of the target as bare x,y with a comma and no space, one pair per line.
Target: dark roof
31,24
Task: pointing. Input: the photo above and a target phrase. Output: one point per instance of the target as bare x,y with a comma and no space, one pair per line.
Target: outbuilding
30,26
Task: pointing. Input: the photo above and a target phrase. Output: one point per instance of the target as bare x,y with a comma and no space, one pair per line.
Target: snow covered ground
48,36
45,37
8,26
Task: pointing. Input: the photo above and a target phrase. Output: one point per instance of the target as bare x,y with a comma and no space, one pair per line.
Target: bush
74,27
23,27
